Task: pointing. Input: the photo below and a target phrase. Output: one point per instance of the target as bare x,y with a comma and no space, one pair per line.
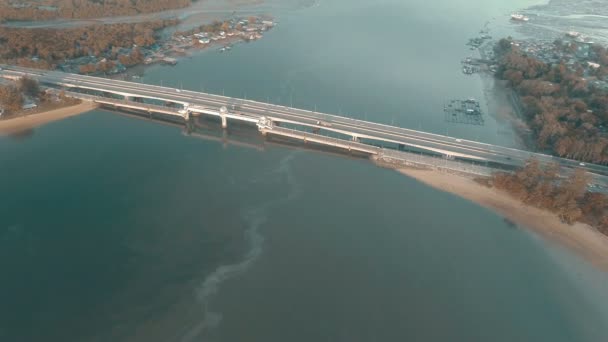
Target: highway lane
465,146
260,108
266,109
390,133
276,109
248,107
306,117
312,117
280,110
490,152
485,151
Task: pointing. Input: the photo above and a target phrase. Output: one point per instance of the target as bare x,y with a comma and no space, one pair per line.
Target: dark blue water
119,229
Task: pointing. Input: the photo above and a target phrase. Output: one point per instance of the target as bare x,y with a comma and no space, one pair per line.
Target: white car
581,164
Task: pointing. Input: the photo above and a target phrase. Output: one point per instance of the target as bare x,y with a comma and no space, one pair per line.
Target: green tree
29,87
10,99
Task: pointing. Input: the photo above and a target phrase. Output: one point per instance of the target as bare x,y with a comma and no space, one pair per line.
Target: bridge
378,140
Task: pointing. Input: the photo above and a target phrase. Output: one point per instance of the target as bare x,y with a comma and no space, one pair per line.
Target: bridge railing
435,162
396,158
327,140
520,155
118,102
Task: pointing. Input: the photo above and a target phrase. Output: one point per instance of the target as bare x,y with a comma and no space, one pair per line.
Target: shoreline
195,9
579,238
26,122
172,39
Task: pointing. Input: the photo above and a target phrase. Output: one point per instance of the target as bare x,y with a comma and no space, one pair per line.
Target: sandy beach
25,122
580,238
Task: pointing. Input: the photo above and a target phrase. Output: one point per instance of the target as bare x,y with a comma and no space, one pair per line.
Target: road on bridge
435,143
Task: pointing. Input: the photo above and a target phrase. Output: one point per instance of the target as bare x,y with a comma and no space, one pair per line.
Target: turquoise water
119,229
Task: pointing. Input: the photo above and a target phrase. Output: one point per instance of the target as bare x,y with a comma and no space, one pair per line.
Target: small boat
573,34
519,17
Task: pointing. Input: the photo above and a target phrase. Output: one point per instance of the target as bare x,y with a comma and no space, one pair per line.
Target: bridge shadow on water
236,134
22,135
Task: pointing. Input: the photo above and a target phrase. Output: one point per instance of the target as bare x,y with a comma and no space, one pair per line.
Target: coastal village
557,84
576,51
218,34
221,35
573,48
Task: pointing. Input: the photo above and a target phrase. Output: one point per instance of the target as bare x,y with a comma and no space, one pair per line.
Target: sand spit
580,238
25,122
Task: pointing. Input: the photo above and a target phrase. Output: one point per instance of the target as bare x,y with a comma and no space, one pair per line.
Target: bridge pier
355,138
264,124
223,112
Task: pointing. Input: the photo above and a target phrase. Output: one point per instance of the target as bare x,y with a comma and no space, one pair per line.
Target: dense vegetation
567,197
12,97
53,9
567,114
51,46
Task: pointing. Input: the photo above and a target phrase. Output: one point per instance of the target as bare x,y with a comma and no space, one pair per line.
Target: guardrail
119,102
396,158
325,140
384,155
390,157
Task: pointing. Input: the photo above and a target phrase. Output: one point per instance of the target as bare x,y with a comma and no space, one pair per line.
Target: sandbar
580,238
25,122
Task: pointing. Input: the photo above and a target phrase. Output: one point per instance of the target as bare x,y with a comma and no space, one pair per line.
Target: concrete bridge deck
364,136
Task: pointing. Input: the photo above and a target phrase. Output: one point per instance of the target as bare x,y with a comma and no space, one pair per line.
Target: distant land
564,96
85,9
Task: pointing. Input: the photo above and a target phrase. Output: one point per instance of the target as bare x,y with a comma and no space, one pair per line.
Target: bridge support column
223,112
355,138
